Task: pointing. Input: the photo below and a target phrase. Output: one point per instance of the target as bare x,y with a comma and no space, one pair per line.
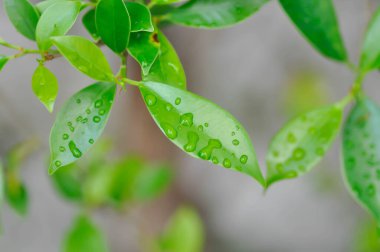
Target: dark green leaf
141,19
303,142
3,61
361,154
84,236
317,20
213,14
16,194
167,68
113,24
23,16
45,86
201,128
144,49
88,21
84,56
80,123
68,182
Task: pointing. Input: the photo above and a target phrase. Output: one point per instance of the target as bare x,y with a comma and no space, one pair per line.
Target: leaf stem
132,82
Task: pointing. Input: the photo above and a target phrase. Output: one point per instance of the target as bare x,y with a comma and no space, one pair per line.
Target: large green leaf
84,236
317,20
80,123
167,68
57,20
84,56
23,16
141,19
201,128
113,24
3,61
213,14
370,55
361,154
89,23
45,86
303,142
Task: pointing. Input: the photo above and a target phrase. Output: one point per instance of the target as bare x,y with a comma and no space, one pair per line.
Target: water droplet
150,100
102,112
206,125
235,142
91,141
243,159
298,154
79,119
187,119
200,128
71,128
233,133
206,152
192,139
96,119
78,101
169,131
88,111
58,163
291,138
65,136
215,160
168,107
69,123
98,103
74,150
178,101
227,163
62,149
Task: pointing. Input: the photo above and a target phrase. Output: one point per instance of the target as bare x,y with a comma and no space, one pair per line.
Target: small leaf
317,20
303,142
45,86
113,24
141,19
43,5
23,16
16,194
144,49
164,2
3,61
57,20
214,14
80,123
167,68
84,236
88,21
84,56
370,54
68,182
201,128
361,155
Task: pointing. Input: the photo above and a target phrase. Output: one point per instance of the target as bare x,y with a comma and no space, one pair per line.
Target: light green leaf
144,49
45,86
23,16
79,123
84,56
361,155
113,24
84,236
370,55
16,194
141,19
185,232
201,128
167,68
57,20
3,61
303,142
43,5
164,2
68,182
317,20
88,21
214,14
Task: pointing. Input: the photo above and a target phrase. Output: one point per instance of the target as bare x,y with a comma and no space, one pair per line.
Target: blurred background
263,72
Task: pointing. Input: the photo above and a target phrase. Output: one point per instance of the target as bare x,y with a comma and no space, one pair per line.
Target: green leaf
167,68
45,86
317,20
370,54
84,56
214,14
164,2
16,194
80,123
2,194
361,155
88,21
144,49
43,5
303,142
113,24
68,182
3,61
184,233
57,20
141,19
201,128
23,16
84,236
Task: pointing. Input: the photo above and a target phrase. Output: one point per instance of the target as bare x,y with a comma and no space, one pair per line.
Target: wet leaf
23,16
201,128
89,23
84,56
141,19
3,61
57,20
317,21
45,86
79,123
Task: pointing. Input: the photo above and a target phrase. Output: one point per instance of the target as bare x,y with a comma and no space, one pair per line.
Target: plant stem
132,82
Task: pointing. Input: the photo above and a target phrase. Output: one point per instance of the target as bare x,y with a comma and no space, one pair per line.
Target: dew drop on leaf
58,163
235,142
178,101
62,149
91,141
227,163
244,159
96,119
150,100
187,119
98,103
298,154
215,160
206,152
74,150
192,139
65,136
169,131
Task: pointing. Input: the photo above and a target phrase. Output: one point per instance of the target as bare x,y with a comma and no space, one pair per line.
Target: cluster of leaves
196,125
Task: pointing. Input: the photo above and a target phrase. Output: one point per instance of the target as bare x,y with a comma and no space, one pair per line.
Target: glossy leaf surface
45,86
79,123
89,23
302,143
57,20
141,19
213,14
84,56
23,16
113,24
361,155
201,128
317,20
370,55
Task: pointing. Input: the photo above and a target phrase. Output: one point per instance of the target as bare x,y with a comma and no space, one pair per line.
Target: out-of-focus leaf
19,153
3,61
367,237
16,193
2,185
89,23
141,19
45,86
68,182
